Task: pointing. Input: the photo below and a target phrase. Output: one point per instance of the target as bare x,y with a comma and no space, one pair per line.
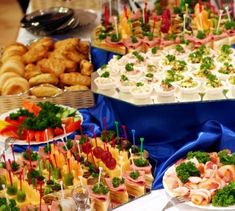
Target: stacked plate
56,20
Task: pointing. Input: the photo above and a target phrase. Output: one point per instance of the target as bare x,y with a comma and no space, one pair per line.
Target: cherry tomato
97,151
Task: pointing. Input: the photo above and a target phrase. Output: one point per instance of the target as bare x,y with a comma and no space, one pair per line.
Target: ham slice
181,191
139,181
109,183
165,43
151,43
109,42
195,180
198,42
200,196
226,173
231,32
210,184
129,44
93,195
219,37
146,169
55,206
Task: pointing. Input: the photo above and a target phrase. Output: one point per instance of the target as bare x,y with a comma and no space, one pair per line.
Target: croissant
43,78
75,79
15,85
15,66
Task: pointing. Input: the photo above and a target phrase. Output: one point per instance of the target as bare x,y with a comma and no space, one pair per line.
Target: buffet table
170,130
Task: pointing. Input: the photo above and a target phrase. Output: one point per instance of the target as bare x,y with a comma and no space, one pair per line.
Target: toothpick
63,126
5,193
220,15
79,150
184,22
133,136
62,189
228,14
121,163
116,25
81,182
132,160
119,7
100,172
200,18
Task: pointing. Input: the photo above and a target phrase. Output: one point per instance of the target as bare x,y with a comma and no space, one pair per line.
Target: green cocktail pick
141,147
117,130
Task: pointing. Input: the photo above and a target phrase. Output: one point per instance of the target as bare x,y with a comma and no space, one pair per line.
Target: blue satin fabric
170,131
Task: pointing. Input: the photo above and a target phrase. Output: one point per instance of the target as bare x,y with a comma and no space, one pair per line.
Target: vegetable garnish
226,158
106,74
202,157
124,78
30,155
186,170
154,50
138,56
224,197
129,67
134,175
201,35
100,189
116,181
141,162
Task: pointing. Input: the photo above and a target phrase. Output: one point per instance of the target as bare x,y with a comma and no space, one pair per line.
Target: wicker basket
74,4
75,99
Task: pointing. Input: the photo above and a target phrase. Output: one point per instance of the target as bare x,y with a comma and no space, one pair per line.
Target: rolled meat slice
200,196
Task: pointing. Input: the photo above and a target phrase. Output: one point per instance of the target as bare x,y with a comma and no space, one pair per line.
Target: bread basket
75,99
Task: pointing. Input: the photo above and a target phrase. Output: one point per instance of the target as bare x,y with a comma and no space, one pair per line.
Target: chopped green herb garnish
124,78
186,170
201,35
154,50
106,74
138,56
226,158
116,181
138,84
141,162
202,157
134,175
129,67
100,189
224,197
133,39
30,155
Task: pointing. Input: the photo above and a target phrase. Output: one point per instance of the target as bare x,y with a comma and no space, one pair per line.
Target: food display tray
153,99
75,99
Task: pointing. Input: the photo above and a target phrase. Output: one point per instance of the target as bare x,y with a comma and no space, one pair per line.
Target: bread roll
45,78
15,85
16,49
46,42
31,70
76,88
35,54
86,67
45,90
5,76
75,79
15,66
52,65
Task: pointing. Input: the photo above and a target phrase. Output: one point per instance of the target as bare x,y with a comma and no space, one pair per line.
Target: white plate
23,142
205,207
